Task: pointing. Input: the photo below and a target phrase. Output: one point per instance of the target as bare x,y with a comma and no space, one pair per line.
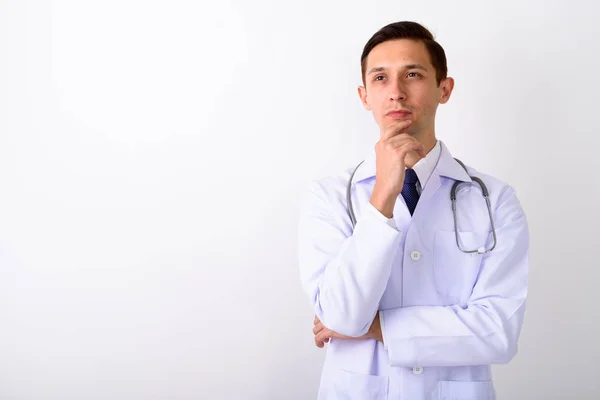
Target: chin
412,130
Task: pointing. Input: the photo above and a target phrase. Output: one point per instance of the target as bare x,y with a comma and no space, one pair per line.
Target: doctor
406,312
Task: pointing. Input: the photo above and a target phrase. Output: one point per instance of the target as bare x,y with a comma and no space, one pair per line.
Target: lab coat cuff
382,326
397,338
377,214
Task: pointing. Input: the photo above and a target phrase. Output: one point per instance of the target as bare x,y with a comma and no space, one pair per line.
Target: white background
152,159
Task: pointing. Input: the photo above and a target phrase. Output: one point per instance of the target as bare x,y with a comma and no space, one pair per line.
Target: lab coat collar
447,167
450,168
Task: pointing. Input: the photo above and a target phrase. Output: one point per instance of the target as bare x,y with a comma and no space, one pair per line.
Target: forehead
399,51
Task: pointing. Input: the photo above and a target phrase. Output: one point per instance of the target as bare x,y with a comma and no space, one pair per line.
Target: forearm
345,270
487,329
351,287
450,336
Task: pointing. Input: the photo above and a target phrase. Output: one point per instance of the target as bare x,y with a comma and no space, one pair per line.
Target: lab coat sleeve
344,272
486,331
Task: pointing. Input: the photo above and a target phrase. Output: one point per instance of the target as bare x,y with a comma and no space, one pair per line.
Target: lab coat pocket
454,271
354,386
457,390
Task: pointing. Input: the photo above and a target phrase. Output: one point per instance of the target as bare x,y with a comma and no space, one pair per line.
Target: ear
362,93
446,87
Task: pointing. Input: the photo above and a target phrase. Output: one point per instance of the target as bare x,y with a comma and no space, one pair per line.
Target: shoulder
501,193
324,203
332,187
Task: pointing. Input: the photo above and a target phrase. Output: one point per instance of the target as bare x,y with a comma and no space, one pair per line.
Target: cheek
428,109
426,105
376,102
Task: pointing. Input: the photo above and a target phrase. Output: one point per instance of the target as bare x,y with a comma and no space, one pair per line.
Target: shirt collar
447,166
425,166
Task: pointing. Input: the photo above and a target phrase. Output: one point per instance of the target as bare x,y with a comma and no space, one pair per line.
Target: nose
397,92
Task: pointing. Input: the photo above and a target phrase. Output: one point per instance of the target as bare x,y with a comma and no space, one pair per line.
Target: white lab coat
446,315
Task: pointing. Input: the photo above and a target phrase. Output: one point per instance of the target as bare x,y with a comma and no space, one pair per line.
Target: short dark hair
408,30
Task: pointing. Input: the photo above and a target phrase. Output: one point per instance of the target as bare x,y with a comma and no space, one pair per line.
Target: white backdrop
152,159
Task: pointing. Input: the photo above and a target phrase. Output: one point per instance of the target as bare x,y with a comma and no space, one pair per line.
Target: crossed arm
346,275
323,334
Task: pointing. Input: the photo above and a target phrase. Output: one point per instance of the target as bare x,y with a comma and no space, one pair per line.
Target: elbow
345,324
504,346
353,328
343,319
509,339
505,353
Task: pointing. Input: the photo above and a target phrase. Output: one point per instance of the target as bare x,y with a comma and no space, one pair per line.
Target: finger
401,140
323,335
420,150
398,140
316,321
403,149
319,344
396,129
406,146
397,143
318,328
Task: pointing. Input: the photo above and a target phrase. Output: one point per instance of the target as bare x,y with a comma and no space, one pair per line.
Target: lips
398,113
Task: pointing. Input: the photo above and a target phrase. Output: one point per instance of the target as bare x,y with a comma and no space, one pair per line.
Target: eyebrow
409,66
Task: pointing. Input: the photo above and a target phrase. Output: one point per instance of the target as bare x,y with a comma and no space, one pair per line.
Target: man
407,312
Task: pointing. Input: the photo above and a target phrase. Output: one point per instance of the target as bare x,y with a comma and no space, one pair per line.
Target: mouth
398,113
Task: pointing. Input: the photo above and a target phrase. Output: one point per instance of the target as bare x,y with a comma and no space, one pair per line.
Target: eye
414,74
377,78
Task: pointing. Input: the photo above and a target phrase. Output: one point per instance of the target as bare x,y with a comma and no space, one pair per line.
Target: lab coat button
418,370
415,255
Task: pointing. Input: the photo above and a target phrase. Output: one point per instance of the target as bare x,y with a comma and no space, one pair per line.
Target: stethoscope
484,191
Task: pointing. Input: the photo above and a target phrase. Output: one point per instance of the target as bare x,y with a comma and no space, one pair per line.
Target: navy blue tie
409,190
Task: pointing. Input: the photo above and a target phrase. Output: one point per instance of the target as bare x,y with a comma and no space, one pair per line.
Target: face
401,84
